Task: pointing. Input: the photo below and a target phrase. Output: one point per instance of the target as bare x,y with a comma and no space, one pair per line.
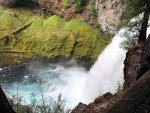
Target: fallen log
16,30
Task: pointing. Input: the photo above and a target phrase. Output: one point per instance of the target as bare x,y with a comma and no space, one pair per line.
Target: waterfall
74,83
106,72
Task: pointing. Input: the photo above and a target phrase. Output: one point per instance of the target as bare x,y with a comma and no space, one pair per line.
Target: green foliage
66,3
120,87
130,40
79,5
97,25
44,105
131,33
92,9
132,9
135,7
122,23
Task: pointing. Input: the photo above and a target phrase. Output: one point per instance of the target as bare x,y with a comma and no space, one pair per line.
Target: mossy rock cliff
52,37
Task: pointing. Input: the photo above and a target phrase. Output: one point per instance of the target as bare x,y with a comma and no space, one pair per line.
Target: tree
132,9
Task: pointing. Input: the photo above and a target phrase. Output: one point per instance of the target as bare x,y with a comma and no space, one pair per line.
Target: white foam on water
75,83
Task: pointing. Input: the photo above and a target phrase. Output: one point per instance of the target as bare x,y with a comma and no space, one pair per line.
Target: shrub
130,40
66,3
78,5
120,87
41,106
92,9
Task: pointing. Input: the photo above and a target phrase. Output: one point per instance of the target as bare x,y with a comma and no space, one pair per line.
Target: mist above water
107,71
74,83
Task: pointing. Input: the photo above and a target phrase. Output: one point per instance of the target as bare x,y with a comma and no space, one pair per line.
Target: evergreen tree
132,9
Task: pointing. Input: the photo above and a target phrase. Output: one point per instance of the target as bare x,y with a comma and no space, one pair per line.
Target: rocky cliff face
145,59
132,65
109,14
136,86
100,105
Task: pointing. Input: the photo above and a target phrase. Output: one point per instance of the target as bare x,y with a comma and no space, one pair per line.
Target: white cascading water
107,71
75,83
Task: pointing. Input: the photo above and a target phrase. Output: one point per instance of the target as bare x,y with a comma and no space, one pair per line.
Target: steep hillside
53,37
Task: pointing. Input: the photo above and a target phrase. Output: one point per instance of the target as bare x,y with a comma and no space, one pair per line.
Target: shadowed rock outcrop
132,65
145,59
136,98
100,105
4,105
16,3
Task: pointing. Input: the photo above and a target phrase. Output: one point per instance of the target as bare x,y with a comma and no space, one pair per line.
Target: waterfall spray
106,72
74,83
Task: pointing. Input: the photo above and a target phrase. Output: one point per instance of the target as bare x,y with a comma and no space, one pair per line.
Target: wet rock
100,105
79,109
145,59
136,98
132,65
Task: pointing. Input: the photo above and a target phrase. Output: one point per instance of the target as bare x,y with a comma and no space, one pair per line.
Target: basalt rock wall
109,14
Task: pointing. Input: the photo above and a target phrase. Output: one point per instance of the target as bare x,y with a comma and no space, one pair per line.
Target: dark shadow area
21,3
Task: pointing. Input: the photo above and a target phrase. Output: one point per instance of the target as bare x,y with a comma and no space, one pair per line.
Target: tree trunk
143,31
4,105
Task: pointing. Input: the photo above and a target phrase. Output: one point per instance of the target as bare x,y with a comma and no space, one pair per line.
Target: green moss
8,22
24,14
8,59
53,23
81,28
53,37
37,24
66,3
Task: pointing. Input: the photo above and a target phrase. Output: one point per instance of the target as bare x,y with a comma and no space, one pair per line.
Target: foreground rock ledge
136,99
4,105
